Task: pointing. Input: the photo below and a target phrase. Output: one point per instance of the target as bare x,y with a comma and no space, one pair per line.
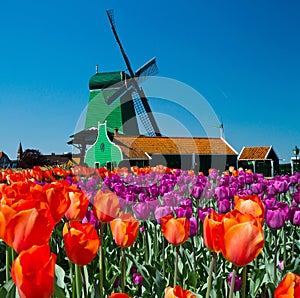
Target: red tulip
106,206
175,230
26,224
81,242
289,287
124,229
79,204
56,196
213,231
119,295
33,272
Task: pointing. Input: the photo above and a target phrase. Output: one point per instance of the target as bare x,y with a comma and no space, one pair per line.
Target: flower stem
232,282
194,256
155,250
84,281
275,256
72,279
163,257
101,261
284,247
146,243
123,270
8,262
244,281
176,266
211,269
78,280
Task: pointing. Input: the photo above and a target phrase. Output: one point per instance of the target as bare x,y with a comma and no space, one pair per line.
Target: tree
31,158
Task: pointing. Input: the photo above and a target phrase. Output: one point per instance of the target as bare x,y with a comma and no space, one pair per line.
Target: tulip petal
243,243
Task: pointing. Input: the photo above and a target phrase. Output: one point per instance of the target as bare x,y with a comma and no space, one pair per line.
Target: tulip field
148,232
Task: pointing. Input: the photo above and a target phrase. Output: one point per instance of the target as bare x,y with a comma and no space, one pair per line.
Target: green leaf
8,290
58,292
59,276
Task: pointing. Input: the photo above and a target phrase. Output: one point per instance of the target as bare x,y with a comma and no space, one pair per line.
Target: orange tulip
106,206
175,230
24,226
177,292
119,295
250,205
243,238
213,231
81,242
79,204
33,272
56,196
124,229
289,287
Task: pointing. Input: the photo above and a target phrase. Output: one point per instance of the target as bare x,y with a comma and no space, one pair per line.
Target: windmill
132,89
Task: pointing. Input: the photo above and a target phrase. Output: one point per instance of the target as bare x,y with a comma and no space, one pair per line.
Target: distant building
5,162
261,159
57,159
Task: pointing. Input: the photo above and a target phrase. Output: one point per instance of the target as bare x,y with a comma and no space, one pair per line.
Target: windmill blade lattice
142,114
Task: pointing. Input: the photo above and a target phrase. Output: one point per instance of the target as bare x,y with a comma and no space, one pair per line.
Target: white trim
228,146
238,157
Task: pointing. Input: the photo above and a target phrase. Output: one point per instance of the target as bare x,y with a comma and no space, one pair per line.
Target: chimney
115,131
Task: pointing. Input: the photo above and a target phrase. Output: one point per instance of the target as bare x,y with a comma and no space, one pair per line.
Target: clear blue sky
242,56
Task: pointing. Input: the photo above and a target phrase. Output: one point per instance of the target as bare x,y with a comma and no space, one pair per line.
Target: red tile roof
136,146
255,153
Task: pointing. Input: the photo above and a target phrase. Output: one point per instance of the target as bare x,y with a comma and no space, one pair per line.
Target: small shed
260,159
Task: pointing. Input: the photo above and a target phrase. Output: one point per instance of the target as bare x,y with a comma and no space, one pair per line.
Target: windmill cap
105,79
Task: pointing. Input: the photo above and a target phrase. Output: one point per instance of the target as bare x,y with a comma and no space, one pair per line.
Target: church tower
20,152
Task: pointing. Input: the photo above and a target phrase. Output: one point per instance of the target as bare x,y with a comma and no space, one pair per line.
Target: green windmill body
118,115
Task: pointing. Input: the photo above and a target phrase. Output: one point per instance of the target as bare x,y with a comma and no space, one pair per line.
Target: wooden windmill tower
117,99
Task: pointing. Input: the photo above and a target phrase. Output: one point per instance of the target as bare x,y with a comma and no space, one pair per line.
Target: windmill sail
140,101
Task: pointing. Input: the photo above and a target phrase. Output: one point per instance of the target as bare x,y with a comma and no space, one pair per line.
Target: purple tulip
294,179
280,265
281,186
203,212
269,202
196,191
222,192
296,197
184,211
91,218
137,279
249,179
117,283
295,216
152,202
133,270
141,210
224,205
213,174
256,188
153,190
161,211
277,215
170,199
238,282
241,180
142,196
193,231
